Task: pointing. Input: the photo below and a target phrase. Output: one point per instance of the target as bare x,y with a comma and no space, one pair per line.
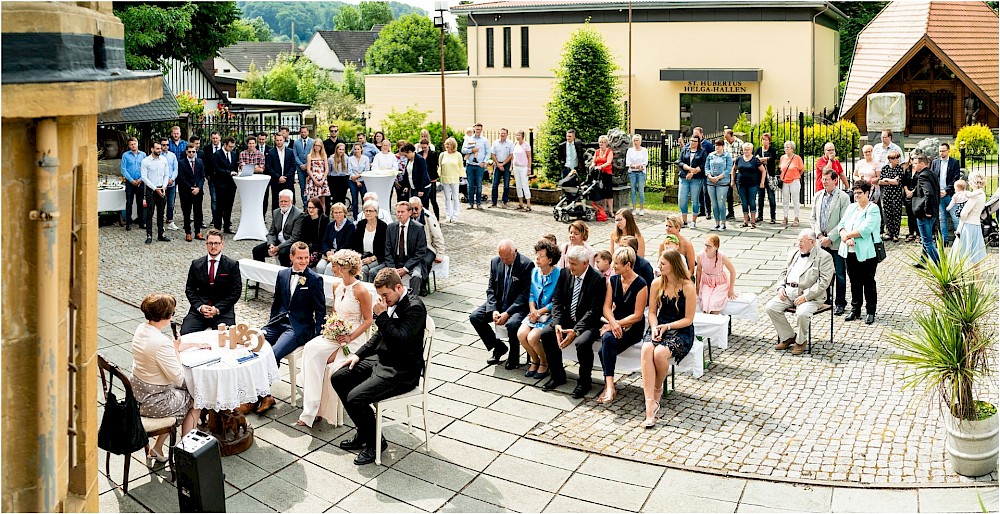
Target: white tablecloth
742,307
111,200
222,387
714,326
381,184
266,273
252,190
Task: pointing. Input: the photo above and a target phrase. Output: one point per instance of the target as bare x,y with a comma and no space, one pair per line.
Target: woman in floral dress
892,195
316,184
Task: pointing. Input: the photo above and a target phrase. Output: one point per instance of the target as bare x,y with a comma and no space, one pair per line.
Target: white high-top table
252,190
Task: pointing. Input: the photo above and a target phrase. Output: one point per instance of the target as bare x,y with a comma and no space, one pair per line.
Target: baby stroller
988,220
575,200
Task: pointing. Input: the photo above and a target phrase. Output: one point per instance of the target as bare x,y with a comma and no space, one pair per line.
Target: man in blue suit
302,147
297,314
947,170
506,303
280,165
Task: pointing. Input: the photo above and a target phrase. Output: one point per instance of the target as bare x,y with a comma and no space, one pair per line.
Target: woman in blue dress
624,303
543,287
672,300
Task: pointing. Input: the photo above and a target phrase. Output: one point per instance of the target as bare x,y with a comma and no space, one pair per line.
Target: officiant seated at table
157,373
345,330
213,288
296,313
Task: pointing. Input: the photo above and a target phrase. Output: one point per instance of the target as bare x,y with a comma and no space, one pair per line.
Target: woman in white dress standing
353,304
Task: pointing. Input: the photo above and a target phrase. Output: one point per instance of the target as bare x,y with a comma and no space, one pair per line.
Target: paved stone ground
836,415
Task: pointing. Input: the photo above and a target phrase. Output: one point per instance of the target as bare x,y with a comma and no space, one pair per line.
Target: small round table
220,387
380,182
252,190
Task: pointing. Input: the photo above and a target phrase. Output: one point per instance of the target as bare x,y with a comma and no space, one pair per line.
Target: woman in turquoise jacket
859,231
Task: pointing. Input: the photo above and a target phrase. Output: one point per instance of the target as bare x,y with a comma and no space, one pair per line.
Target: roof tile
349,45
262,54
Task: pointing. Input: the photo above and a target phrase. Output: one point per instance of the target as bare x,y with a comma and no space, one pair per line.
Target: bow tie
804,255
299,273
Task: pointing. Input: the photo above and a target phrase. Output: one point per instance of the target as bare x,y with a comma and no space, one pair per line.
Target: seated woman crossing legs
624,303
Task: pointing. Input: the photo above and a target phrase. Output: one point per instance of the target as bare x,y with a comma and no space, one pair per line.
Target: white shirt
368,241
284,218
637,157
391,310
281,157
385,162
294,283
797,268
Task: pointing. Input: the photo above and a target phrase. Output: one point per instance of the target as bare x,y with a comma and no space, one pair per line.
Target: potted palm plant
950,353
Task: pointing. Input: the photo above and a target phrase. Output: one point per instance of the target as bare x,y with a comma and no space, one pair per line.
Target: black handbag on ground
121,429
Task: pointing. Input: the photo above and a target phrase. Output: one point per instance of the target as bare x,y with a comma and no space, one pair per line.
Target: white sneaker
642,212
691,224
171,226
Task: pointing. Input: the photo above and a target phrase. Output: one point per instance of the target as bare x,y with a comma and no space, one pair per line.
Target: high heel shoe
650,420
154,455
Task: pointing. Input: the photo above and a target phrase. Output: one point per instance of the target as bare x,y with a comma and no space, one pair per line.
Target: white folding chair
293,371
409,399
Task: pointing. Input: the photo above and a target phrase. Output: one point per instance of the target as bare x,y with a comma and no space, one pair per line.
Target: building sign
711,86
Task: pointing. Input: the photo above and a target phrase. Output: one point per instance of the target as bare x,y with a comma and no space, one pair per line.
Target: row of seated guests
550,308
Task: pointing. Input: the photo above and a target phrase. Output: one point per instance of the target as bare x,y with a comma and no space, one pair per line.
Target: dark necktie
192,166
401,252
211,272
506,285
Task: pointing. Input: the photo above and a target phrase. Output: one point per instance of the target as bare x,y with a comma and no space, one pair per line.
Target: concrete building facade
692,63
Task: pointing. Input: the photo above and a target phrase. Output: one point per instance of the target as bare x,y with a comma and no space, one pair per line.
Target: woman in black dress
623,305
314,228
672,300
892,195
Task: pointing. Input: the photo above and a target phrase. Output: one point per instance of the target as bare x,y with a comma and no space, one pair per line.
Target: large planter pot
545,196
972,445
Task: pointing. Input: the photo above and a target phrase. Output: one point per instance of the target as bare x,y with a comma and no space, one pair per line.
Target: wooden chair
826,306
153,426
409,400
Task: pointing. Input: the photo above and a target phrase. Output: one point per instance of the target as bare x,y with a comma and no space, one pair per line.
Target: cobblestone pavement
836,417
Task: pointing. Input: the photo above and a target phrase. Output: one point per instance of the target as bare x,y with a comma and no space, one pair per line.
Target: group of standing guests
571,295
509,158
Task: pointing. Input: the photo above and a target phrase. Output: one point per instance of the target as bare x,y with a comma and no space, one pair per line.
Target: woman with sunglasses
892,195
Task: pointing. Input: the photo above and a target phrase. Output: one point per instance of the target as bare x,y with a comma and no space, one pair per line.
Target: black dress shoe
853,316
839,311
498,352
128,227
869,319
554,383
582,389
352,444
511,365
163,239
366,456
149,240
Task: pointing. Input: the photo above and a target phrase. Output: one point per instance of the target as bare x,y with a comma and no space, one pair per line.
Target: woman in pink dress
715,286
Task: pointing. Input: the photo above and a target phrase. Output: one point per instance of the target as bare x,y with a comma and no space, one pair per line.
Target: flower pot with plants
544,191
950,353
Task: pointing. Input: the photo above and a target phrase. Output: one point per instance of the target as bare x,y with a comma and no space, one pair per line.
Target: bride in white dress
354,305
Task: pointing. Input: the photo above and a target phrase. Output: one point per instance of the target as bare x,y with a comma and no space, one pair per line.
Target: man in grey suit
286,228
803,285
829,205
406,247
301,148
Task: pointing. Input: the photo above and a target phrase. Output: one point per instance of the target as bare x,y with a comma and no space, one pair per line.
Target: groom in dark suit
576,314
213,287
506,303
387,365
297,314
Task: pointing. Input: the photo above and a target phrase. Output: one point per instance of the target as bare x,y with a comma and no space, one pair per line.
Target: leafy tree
336,104
375,13
291,79
310,16
404,125
412,44
190,32
349,18
251,30
587,95
353,82
858,16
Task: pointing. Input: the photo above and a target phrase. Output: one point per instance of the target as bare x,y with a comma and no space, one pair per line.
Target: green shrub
348,130
843,134
404,125
978,141
434,128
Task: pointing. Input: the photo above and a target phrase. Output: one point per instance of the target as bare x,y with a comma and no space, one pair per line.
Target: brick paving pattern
502,443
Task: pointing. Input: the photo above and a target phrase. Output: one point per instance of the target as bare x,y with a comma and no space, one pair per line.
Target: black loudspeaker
198,461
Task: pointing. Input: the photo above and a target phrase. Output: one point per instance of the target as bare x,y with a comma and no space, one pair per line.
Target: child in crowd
671,242
716,277
468,142
551,238
603,262
958,202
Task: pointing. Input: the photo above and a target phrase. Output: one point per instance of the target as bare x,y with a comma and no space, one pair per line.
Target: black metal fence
987,165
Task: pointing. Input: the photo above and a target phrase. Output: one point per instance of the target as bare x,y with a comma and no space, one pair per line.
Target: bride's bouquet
336,326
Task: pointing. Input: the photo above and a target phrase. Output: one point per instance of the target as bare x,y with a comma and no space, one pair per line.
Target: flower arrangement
336,326
186,102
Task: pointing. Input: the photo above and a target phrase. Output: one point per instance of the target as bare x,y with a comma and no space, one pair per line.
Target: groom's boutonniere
302,281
